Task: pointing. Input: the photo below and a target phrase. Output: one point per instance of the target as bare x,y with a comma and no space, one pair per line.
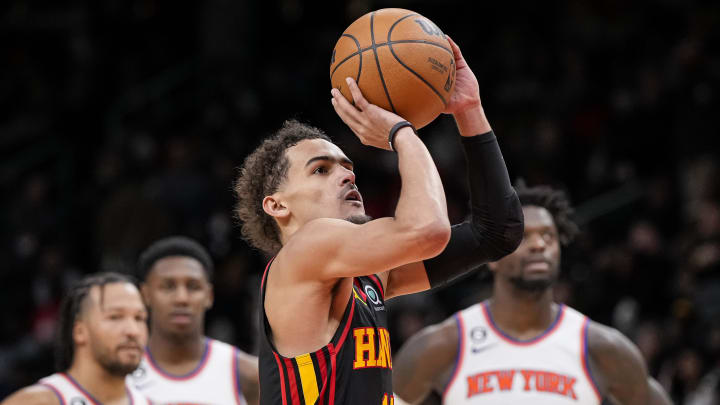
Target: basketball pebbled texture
401,61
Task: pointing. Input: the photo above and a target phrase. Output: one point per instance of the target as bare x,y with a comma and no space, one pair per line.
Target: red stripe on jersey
360,289
282,378
262,280
293,383
584,358
345,331
460,353
55,391
331,348
323,375
377,282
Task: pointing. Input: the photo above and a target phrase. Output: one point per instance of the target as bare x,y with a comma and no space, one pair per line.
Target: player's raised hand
370,123
467,91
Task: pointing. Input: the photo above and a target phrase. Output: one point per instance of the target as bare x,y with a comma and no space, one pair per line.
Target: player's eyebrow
331,159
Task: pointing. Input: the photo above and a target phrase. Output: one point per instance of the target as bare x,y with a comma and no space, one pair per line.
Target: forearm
495,226
422,198
472,121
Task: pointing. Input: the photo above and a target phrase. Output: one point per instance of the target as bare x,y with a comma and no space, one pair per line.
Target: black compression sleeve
495,227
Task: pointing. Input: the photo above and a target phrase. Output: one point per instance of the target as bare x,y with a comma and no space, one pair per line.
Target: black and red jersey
355,367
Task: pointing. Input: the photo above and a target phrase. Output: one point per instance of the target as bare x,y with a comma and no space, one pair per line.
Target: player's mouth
536,265
180,318
353,197
130,347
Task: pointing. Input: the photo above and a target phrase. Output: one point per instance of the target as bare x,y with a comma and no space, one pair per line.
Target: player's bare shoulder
604,340
33,395
617,364
425,360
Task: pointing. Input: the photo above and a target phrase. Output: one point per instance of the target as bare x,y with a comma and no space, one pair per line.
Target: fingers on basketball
357,96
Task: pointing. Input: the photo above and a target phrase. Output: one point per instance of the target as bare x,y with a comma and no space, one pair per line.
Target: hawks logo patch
372,295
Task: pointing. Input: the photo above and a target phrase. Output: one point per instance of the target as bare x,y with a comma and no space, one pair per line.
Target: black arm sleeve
495,227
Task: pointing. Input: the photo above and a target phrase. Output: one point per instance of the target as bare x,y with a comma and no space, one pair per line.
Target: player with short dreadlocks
519,346
102,333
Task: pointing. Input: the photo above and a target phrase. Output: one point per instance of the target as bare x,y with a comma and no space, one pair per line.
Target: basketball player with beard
520,347
102,333
324,336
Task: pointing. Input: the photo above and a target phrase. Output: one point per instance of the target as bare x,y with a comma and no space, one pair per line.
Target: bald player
102,333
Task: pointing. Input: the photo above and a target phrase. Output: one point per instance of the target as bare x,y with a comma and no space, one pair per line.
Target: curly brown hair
260,175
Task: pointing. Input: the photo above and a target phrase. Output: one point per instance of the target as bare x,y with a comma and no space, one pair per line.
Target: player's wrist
401,129
472,121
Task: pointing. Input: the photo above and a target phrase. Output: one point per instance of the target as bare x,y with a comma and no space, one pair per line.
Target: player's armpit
327,249
32,395
423,360
618,365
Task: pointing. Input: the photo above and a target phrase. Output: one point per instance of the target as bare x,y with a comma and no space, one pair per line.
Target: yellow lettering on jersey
366,354
384,355
364,343
385,400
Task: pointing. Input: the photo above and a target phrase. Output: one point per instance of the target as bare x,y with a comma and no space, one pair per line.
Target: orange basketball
401,61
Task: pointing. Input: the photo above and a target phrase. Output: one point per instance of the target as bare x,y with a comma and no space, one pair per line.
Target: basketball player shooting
520,347
324,336
102,332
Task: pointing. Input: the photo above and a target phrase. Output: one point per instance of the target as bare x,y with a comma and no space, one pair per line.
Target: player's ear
492,266
80,332
275,207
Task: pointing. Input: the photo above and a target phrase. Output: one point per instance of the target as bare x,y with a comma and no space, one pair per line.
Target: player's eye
549,236
115,317
320,170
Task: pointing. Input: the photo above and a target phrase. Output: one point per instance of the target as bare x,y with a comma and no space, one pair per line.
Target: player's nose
134,328
181,295
347,176
537,242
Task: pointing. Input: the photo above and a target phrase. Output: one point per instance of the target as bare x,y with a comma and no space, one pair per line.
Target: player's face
178,293
535,264
320,183
116,323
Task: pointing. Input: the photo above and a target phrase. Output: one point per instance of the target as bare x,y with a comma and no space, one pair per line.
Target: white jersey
70,392
493,368
214,381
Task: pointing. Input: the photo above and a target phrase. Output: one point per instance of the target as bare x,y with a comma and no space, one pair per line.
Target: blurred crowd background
123,121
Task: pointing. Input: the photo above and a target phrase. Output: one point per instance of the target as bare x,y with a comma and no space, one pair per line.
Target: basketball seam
392,27
369,48
358,52
377,60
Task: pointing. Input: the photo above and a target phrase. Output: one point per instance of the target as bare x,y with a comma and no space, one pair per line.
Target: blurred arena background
123,121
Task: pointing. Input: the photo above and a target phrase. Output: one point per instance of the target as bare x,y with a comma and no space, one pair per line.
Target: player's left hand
467,91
